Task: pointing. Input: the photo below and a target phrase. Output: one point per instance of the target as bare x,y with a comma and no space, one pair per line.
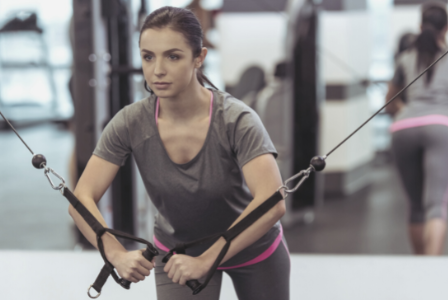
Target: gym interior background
314,70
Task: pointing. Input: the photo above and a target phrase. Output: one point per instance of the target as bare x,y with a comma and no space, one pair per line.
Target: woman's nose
159,69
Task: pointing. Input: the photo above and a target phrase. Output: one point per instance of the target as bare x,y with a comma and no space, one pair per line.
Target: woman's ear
199,61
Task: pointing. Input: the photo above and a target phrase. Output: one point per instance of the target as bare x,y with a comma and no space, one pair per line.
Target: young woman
420,132
206,161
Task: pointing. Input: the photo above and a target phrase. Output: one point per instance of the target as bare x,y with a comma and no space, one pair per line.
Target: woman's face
167,62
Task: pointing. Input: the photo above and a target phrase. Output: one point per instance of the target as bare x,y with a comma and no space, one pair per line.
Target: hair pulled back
434,21
183,21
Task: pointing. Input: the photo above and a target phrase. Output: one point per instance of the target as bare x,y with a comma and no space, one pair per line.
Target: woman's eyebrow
167,51
173,50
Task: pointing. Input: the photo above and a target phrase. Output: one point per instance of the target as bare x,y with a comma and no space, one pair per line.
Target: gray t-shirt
422,98
205,195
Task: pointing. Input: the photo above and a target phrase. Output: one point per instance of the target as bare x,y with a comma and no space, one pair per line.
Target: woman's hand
132,265
181,268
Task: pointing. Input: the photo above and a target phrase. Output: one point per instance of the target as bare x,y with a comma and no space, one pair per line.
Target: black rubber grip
194,284
146,254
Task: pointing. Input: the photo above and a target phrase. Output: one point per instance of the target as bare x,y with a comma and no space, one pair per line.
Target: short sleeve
114,144
250,138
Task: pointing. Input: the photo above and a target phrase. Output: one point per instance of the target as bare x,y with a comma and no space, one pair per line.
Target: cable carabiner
317,164
304,174
40,162
50,170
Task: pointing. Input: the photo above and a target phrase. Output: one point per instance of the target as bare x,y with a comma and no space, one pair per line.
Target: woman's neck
191,104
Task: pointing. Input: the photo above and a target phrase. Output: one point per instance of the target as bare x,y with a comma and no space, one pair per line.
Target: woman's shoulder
135,113
135,118
139,108
232,107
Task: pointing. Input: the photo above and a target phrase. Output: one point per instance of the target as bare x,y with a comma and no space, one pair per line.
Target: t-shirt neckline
211,118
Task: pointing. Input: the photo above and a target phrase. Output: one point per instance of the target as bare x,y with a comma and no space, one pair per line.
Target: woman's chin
164,93
167,93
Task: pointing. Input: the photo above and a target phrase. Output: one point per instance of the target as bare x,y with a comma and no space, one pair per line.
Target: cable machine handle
146,254
192,284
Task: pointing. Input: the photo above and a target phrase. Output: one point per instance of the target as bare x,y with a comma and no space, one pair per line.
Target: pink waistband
268,252
419,121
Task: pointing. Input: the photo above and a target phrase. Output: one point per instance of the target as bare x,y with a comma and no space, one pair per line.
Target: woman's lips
161,85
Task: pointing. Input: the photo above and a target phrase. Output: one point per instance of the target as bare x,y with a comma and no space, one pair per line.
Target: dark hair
406,41
183,21
434,20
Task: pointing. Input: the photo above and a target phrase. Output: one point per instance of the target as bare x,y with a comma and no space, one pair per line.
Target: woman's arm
263,179
397,104
95,180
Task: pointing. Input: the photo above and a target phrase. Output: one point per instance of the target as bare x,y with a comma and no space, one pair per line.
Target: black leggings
268,279
421,155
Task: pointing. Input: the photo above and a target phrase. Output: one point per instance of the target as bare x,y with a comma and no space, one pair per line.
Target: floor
313,277
372,221
33,216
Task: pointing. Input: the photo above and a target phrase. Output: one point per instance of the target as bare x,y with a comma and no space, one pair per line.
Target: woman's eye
174,57
147,57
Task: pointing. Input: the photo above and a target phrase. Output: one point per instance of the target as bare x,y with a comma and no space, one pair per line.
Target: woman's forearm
92,185
111,244
262,177
248,236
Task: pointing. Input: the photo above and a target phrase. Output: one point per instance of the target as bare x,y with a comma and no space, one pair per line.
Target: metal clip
61,186
304,173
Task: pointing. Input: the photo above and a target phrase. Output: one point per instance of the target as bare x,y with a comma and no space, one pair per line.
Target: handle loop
88,293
